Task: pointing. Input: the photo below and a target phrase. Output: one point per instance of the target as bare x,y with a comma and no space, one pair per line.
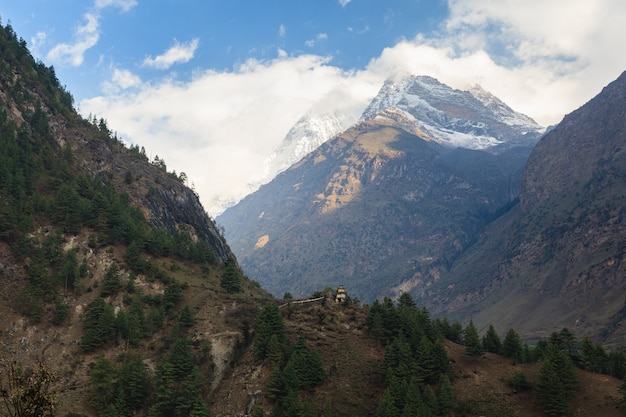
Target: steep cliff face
558,259
163,198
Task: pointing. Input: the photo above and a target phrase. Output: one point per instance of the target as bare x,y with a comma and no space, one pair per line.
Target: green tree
180,357
387,406
111,283
564,367
98,325
405,300
306,365
101,379
512,346
132,384
445,397
231,277
550,394
491,341
471,340
270,323
186,318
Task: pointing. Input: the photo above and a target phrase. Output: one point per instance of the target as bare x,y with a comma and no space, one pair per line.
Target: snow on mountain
309,132
473,119
304,137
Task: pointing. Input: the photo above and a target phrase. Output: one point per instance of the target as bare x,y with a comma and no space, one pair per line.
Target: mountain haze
392,201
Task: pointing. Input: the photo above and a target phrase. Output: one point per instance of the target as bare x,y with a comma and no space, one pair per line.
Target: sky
212,87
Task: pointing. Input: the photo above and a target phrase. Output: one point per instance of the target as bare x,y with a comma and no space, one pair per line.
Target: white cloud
37,42
86,36
542,58
125,5
126,79
311,42
228,122
344,3
282,30
179,53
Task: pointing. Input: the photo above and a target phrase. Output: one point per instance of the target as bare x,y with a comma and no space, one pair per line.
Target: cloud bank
542,58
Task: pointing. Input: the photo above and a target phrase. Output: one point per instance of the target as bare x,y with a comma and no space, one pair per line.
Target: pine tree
387,406
231,277
491,341
111,282
406,301
549,391
565,369
512,346
186,318
473,346
445,398
101,382
270,323
424,362
306,364
180,358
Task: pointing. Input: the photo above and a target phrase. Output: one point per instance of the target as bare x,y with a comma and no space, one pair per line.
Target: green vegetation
231,276
415,361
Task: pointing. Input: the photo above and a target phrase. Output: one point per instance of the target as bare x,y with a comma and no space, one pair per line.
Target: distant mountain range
392,200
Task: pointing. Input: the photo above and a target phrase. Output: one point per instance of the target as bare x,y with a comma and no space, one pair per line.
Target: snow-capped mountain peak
474,119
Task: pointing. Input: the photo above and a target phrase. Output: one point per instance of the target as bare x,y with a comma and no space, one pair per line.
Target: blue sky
213,87
87,42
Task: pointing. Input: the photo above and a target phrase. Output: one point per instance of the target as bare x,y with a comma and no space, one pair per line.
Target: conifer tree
425,361
491,341
471,340
565,369
413,403
512,346
387,406
429,397
231,277
101,381
186,318
270,323
445,397
549,391
307,366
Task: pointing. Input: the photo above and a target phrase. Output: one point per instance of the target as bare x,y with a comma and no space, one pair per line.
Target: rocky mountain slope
392,201
560,253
